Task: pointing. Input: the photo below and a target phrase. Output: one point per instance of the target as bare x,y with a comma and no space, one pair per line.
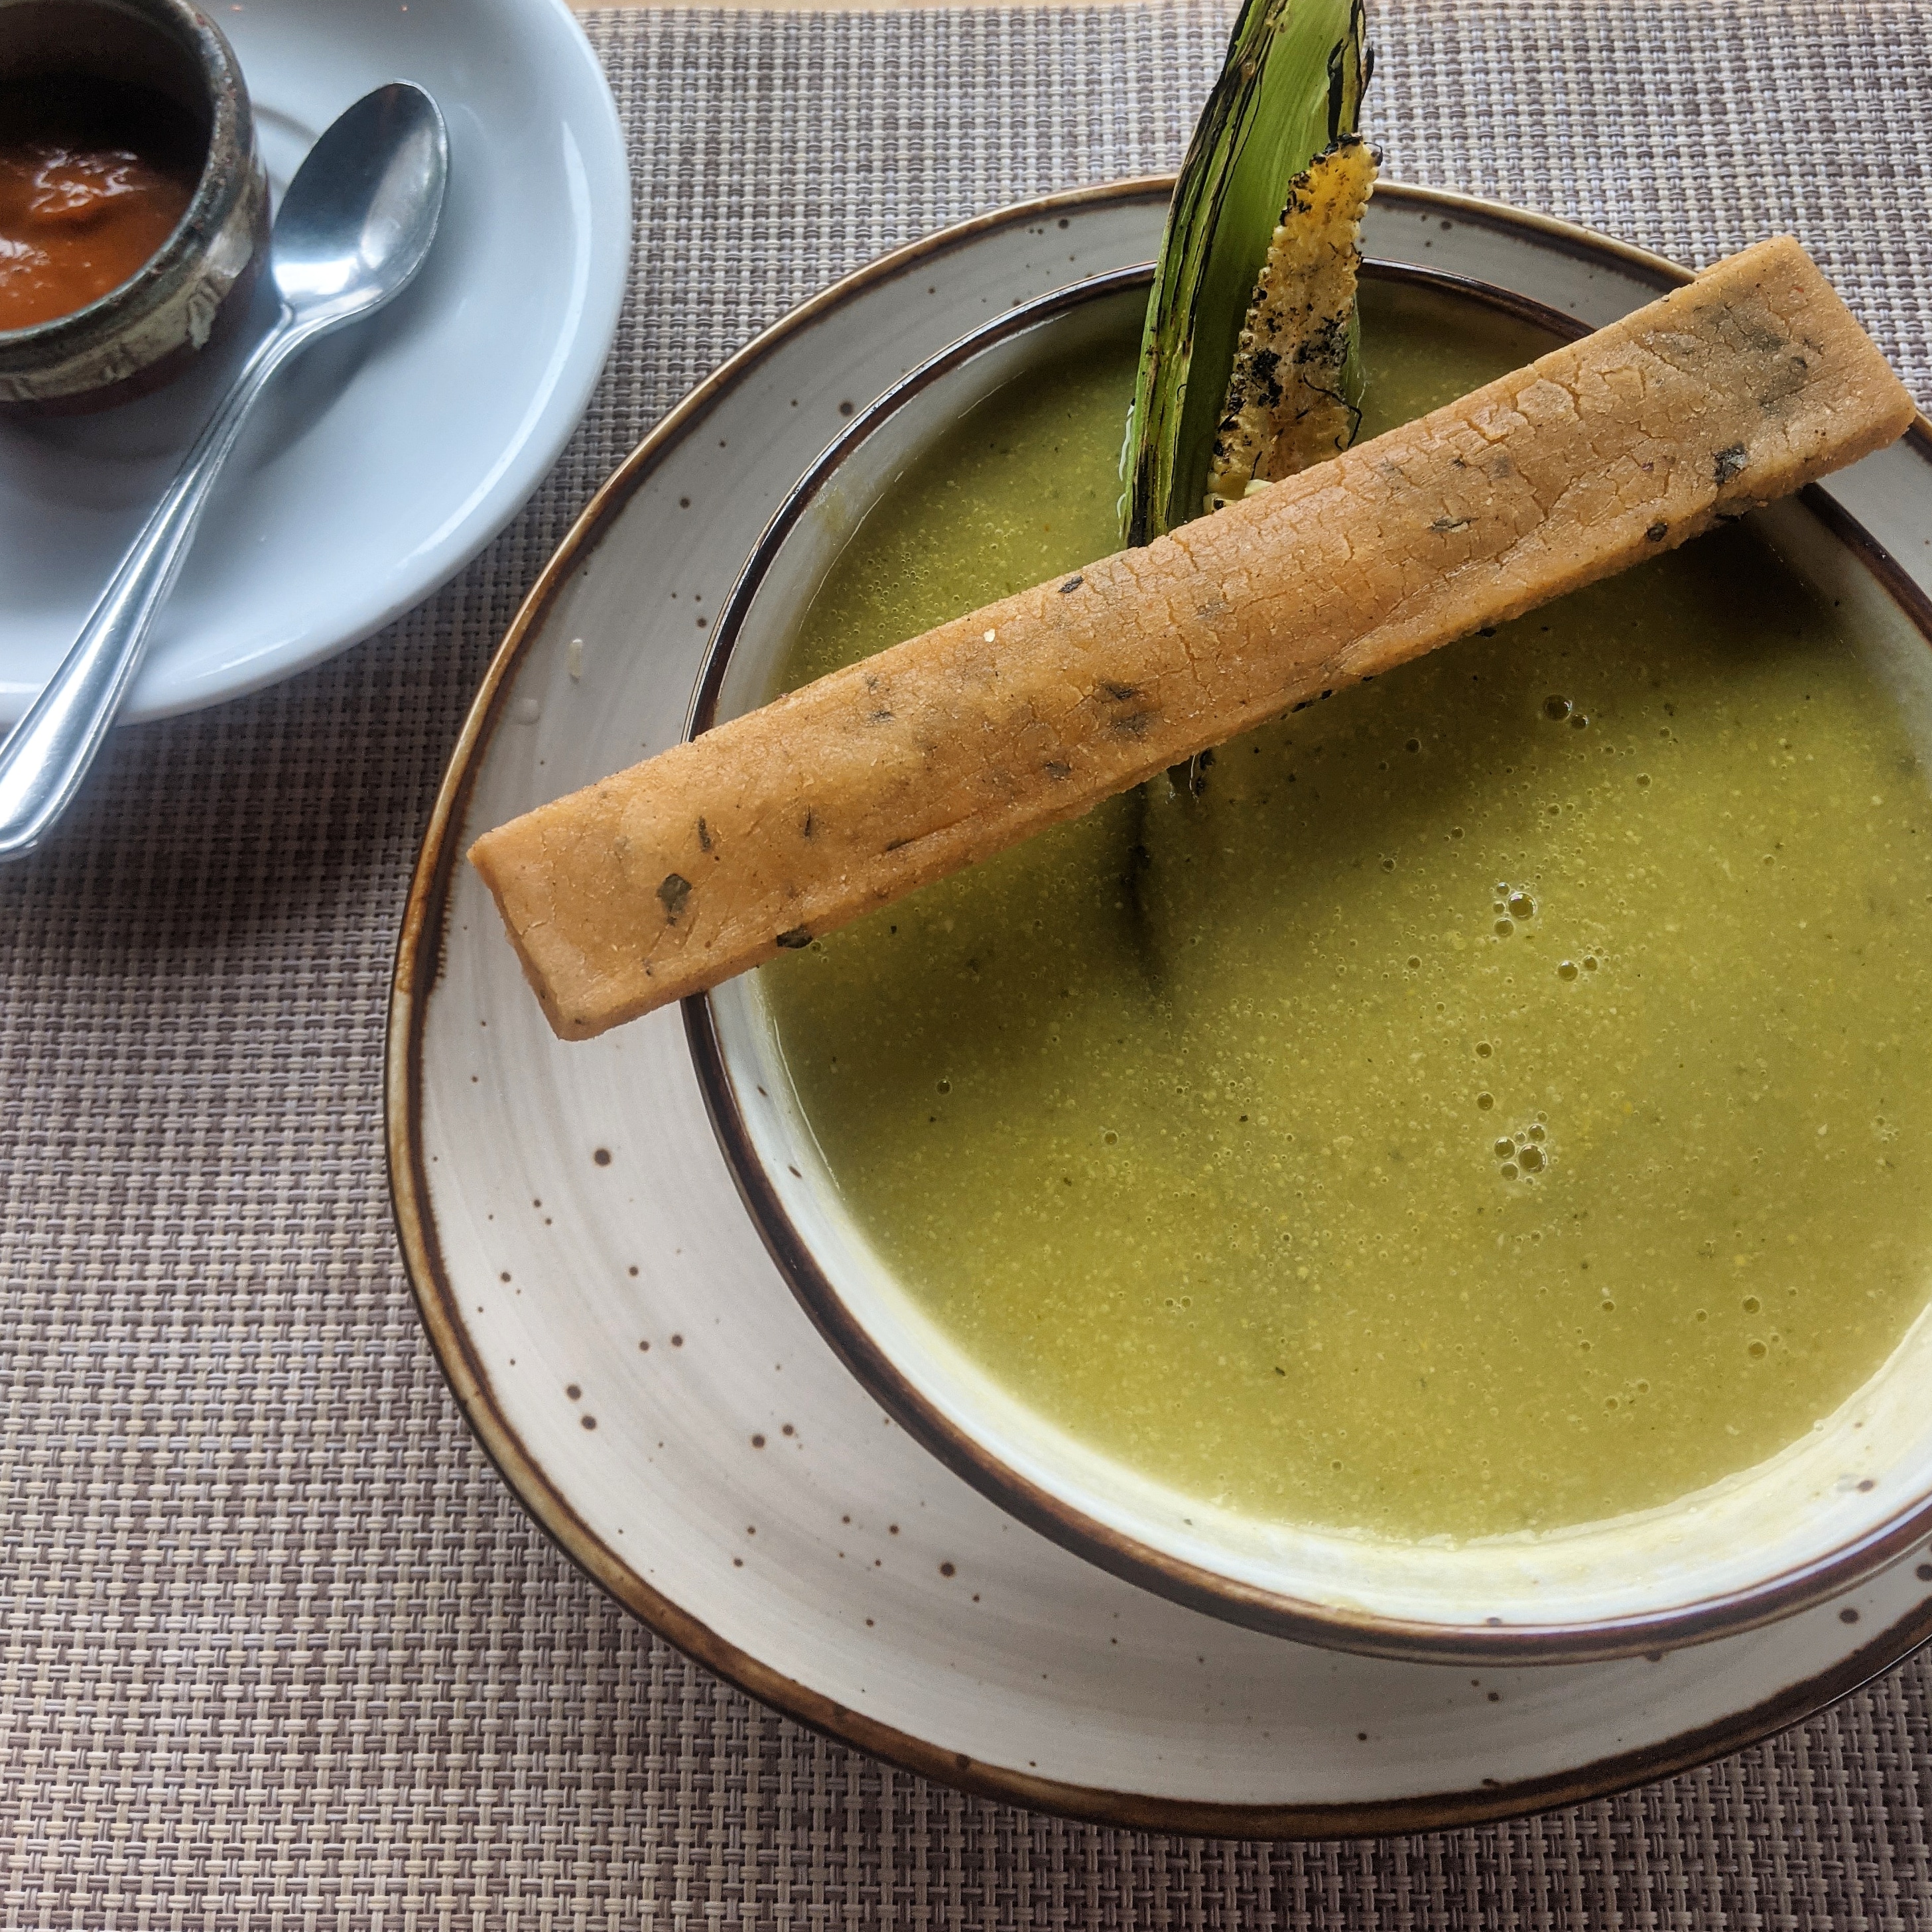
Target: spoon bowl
359,217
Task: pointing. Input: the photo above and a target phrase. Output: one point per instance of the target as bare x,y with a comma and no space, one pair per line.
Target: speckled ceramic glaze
615,1329
195,289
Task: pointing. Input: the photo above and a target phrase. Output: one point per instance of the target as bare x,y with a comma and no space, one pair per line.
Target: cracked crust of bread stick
664,879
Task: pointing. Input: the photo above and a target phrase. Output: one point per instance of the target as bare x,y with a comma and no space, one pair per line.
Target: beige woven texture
276,1648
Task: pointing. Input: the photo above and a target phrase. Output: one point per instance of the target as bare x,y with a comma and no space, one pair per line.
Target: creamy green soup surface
1499,1102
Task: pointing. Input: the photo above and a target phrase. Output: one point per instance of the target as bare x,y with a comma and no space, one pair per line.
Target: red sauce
93,179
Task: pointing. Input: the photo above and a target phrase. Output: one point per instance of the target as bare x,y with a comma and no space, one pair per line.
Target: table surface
276,1647
811,6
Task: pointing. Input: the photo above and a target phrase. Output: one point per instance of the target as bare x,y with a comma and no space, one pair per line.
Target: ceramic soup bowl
1778,1537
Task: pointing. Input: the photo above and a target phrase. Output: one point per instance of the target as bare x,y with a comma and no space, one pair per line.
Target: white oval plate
633,1361
382,462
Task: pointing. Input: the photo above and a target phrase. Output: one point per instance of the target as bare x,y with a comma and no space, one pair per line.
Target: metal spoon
354,227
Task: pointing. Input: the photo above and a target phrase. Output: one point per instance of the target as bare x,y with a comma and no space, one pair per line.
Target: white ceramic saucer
381,463
633,1361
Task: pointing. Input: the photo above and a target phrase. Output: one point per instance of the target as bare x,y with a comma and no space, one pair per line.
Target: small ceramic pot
193,291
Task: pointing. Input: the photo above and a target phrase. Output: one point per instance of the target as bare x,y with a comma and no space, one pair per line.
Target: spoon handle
46,754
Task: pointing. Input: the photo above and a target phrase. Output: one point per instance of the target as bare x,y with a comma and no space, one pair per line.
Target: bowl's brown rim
228,169
1125,1555
418,961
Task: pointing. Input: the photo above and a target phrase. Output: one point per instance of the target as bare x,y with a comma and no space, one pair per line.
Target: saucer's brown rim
417,967
1128,1556
229,169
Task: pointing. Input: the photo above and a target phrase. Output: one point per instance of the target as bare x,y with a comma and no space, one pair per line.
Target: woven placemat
276,1648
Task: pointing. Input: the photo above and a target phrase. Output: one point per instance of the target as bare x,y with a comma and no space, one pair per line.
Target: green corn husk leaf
1293,82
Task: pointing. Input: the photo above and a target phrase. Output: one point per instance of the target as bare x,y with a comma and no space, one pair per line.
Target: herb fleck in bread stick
701,863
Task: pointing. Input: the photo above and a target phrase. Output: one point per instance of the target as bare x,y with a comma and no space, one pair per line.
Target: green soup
1498,1102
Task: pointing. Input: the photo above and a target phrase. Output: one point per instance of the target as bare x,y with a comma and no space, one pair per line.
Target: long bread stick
701,863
